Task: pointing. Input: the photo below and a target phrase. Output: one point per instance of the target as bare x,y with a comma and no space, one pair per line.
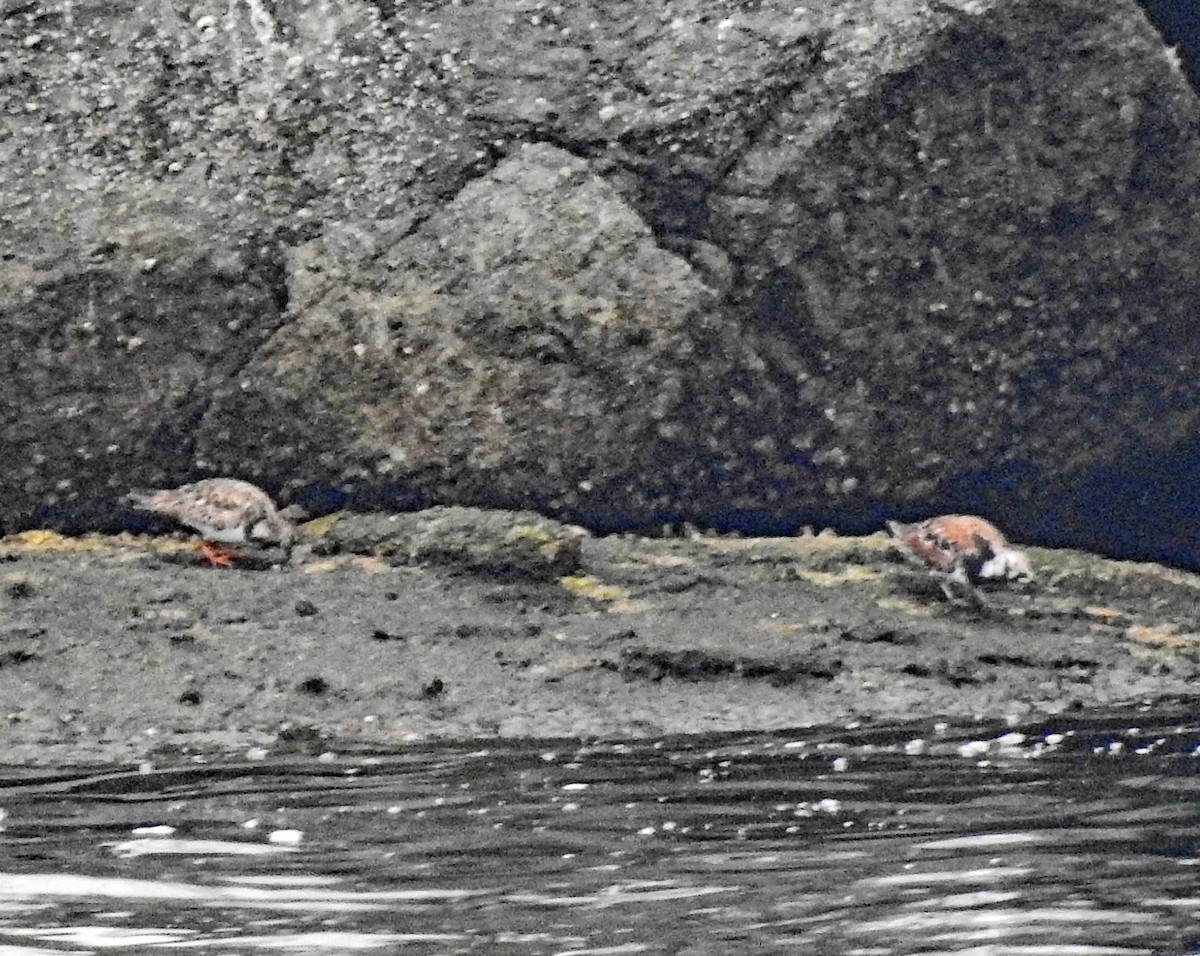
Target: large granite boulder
688,260
529,344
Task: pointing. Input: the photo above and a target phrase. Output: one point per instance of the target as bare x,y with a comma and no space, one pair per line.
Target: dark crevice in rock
954,673
1075,663
16,656
877,633
1007,660
775,98
695,664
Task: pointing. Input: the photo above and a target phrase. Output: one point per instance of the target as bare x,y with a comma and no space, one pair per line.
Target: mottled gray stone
666,261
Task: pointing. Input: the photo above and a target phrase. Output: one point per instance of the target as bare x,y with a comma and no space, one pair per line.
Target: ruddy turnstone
224,511
965,549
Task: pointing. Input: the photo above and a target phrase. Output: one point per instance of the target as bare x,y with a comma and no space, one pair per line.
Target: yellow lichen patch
629,607
665,560
45,540
588,587
905,607
832,579
319,527
52,541
370,565
1162,636
529,532
780,627
563,667
41,540
1105,615
551,549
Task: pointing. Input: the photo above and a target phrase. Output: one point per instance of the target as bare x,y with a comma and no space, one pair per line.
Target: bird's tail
139,499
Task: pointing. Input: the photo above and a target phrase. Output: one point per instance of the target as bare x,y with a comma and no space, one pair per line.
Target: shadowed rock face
107,368
981,271
682,262
528,344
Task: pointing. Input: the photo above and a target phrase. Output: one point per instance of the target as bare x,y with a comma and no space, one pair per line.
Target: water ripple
982,841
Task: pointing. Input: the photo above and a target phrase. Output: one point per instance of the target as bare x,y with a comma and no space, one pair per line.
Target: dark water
1077,838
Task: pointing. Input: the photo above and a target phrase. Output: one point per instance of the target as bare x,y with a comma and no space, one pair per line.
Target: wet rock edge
457,623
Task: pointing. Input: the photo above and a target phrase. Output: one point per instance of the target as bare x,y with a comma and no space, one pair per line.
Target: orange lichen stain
1105,615
831,579
1165,635
905,607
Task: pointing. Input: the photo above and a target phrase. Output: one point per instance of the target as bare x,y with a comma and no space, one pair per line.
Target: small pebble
18,590
315,685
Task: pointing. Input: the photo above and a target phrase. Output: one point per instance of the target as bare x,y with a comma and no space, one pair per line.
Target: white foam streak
31,951
621,894
990,875
1017,920
331,942
981,840
153,846
1056,949
43,886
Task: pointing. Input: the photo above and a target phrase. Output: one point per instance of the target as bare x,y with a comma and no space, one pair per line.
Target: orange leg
216,555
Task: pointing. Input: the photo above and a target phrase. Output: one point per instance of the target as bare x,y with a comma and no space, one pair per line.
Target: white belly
234,535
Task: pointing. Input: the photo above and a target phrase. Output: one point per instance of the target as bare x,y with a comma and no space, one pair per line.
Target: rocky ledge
749,265
458,622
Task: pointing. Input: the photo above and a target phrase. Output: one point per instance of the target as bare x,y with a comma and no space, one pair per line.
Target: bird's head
1006,564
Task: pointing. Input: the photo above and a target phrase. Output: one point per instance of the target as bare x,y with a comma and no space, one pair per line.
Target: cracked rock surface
685,261
114,647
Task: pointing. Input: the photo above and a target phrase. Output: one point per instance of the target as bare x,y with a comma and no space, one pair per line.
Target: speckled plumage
965,548
225,510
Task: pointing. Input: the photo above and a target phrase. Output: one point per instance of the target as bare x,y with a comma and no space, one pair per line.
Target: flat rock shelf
459,622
